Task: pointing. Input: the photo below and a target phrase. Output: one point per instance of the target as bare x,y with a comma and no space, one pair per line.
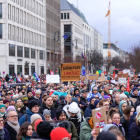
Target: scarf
15,127
118,125
2,134
91,122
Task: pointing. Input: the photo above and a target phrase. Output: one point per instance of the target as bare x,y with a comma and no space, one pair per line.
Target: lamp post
58,41
84,54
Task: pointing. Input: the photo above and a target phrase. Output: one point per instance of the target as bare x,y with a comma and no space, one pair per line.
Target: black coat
135,132
53,111
137,103
82,99
125,125
114,105
12,132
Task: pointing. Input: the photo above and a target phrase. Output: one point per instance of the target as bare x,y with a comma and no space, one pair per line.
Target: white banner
52,79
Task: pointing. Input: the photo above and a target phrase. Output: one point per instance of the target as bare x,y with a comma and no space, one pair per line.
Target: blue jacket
88,111
29,113
132,119
135,132
6,135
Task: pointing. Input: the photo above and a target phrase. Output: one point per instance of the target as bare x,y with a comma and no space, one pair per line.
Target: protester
47,114
116,100
2,109
18,105
104,103
122,107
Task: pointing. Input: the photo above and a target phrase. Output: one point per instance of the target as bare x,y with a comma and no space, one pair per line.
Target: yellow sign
70,72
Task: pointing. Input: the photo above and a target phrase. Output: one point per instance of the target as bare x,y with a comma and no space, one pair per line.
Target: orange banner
70,72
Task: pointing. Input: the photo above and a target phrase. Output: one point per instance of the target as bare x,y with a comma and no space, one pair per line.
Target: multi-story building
81,36
23,36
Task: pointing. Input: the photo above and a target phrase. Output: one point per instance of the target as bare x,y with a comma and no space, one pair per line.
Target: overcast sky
125,19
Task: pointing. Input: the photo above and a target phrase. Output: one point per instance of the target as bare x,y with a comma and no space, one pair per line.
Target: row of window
32,5
25,18
87,40
0,10
27,53
26,36
65,16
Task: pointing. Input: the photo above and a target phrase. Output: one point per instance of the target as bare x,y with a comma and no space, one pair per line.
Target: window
64,15
48,56
32,70
11,69
19,69
41,54
68,16
11,50
32,53
61,15
0,31
19,51
42,69
52,56
26,52
0,10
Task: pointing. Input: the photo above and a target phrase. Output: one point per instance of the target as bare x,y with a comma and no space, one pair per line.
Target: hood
107,127
93,85
29,113
120,106
79,116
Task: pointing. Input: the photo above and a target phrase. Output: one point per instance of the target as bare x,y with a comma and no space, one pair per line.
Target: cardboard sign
82,78
70,72
93,76
52,79
122,80
121,75
133,99
99,118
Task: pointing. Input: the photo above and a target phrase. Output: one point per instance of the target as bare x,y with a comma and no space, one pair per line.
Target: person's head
109,120
61,99
122,88
109,127
115,90
73,109
1,101
117,97
37,93
76,91
6,102
26,129
135,91
112,110
61,115
47,114
122,106
49,101
96,103
75,99
25,100
2,108
115,118
66,98
29,93
8,95
94,90
33,106
19,102
123,97
54,98
78,96
118,133
60,133
1,122
106,89
107,97
84,93
12,102
92,100
12,117
104,103
127,111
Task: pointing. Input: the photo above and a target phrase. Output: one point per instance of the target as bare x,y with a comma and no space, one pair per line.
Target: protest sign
52,79
122,80
121,75
70,72
93,76
82,78
102,78
99,118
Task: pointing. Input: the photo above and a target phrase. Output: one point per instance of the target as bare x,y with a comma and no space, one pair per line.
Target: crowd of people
50,112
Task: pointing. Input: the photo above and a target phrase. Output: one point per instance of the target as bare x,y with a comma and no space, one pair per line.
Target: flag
66,36
128,86
83,68
83,72
82,55
108,13
36,76
114,74
116,42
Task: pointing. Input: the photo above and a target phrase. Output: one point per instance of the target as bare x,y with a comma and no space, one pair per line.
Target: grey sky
125,19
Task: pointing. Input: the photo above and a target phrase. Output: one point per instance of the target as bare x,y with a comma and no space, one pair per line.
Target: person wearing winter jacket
134,93
135,126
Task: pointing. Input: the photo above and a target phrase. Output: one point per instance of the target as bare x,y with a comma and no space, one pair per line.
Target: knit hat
96,102
34,117
126,93
92,98
122,96
77,95
32,103
115,89
94,88
37,122
44,129
106,96
73,108
75,99
38,91
46,112
6,101
106,136
28,91
108,126
59,133
59,112
138,110
2,105
24,98
10,108
134,88
120,105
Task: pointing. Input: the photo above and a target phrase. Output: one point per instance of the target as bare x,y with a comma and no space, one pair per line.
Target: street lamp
58,41
84,52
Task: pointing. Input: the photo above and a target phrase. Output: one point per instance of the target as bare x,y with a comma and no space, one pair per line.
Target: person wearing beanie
6,102
47,115
61,103
134,93
43,130
30,95
38,96
76,91
10,108
115,90
75,99
83,100
96,103
123,97
88,111
2,109
60,133
36,123
33,109
122,107
74,114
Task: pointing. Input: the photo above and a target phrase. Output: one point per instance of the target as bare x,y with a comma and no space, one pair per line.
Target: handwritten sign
93,76
122,80
52,79
70,72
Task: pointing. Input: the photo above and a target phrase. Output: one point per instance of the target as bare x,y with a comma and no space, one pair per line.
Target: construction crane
109,33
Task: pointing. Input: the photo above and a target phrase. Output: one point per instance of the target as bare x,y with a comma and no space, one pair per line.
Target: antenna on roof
77,3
